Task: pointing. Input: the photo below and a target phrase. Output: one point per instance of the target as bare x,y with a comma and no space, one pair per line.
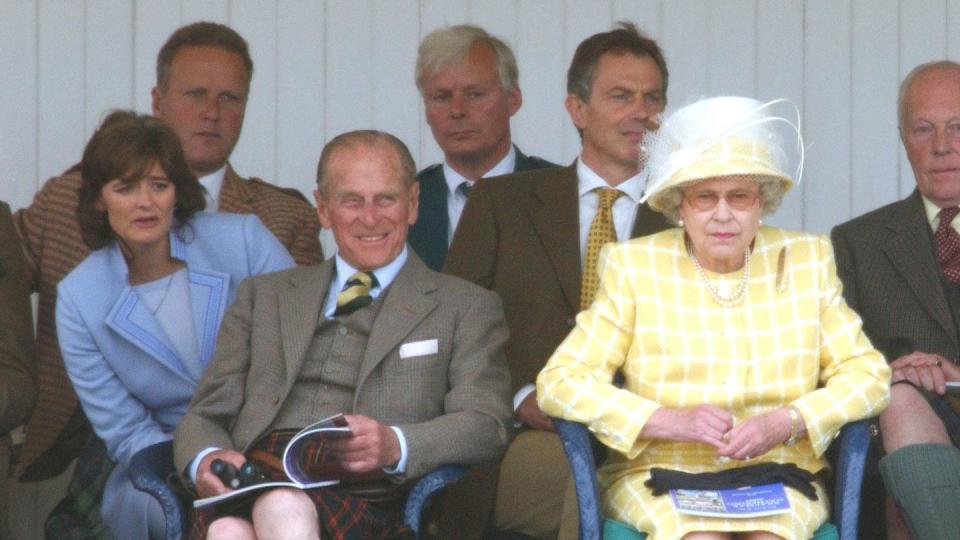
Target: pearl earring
680,223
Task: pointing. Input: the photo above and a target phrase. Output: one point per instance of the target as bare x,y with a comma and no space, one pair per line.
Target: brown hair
624,38
366,137
201,34
124,147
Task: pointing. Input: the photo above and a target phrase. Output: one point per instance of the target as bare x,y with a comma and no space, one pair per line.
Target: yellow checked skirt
629,501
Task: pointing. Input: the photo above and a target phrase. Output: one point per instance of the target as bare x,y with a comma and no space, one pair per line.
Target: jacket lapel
300,312
234,196
406,304
208,299
429,235
910,250
555,213
132,321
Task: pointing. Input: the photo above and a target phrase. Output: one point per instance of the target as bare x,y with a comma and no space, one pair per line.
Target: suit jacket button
342,331
571,321
276,400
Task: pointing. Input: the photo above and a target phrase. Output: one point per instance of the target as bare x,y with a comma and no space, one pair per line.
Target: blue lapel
208,298
132,321
209,290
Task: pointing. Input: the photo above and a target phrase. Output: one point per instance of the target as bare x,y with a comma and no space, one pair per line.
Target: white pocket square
419,348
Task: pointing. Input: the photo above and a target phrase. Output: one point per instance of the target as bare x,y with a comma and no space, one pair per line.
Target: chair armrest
149,469
433,482
854,444
576,444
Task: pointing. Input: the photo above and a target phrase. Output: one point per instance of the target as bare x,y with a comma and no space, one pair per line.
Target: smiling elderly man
413,358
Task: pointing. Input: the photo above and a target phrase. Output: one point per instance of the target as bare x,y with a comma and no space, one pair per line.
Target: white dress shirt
624,214
457,199
211,188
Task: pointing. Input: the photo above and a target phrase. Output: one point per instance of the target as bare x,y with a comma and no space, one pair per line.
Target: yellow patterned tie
355,293
601,232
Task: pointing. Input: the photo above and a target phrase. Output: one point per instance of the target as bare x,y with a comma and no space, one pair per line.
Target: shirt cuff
195,464
401,467
522,395
518,398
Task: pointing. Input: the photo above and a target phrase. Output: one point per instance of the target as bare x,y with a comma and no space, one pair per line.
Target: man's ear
155,96
516,99
323,211
575,107
414,195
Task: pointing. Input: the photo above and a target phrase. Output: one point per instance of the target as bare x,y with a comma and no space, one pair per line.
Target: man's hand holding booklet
306,463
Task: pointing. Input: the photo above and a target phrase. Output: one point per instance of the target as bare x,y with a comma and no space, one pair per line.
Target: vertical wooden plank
686,46
152,25
60,79
779,52
646,14
827,102
875,143
299,103
952,20
108,61
18,106
256,151
499,17
732,69
349,48
437,13
396,101
582,19
542,62
923,38
205,10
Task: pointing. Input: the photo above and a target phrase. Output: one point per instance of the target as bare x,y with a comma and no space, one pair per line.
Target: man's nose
456,106
211,108
942,141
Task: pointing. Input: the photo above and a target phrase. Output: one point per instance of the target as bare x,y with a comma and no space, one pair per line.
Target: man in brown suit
417,365
525,236
16,349
203,78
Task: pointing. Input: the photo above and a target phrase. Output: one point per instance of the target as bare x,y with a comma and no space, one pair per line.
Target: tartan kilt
342,515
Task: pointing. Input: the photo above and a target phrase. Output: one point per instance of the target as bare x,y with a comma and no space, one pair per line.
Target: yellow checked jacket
792,340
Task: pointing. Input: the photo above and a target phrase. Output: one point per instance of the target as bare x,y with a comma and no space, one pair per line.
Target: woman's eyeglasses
738,199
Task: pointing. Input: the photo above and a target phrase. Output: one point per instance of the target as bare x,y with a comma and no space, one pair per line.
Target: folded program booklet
303,461
745,502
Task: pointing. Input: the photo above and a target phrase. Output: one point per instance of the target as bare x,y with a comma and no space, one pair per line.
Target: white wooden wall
323,67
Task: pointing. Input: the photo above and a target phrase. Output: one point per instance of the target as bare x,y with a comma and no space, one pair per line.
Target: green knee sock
924,480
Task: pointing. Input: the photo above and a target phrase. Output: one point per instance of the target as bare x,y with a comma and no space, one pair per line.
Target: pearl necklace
725,301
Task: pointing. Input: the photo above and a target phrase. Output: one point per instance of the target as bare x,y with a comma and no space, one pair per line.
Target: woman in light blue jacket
137,320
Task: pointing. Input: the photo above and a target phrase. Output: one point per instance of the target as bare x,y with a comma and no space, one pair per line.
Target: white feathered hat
724,136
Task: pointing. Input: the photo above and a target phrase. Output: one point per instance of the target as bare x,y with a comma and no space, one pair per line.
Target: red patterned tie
948,245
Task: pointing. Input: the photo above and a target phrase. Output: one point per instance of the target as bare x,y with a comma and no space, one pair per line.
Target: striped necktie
948,244
601,232
355,293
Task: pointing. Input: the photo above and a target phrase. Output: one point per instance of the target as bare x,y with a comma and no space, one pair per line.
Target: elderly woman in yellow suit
734,340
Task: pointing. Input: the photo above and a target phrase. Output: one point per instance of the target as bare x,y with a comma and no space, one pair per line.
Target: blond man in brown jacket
203,77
